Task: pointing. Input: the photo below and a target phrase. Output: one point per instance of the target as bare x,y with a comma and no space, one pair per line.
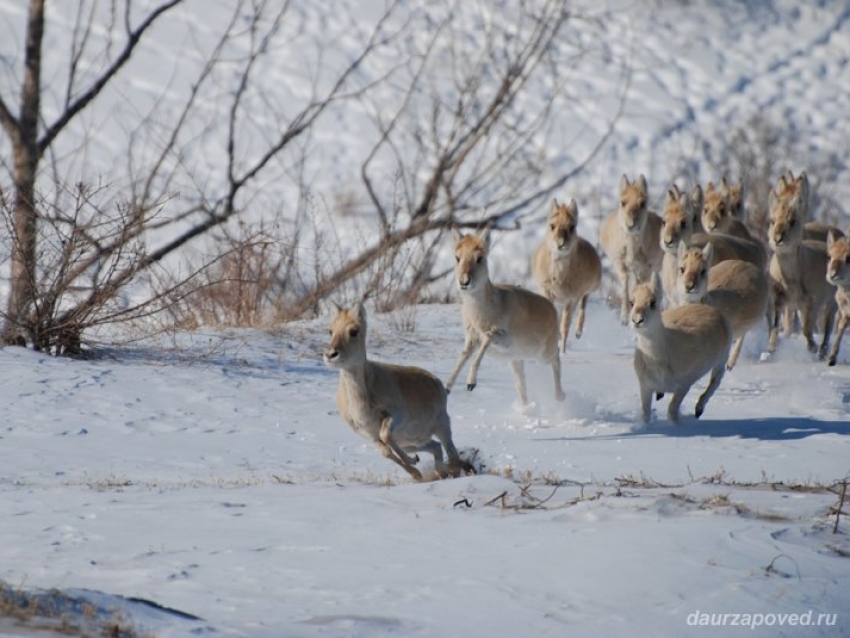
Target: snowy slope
218,480
210,473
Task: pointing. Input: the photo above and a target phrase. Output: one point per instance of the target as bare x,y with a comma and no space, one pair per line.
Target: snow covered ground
210,474
213,476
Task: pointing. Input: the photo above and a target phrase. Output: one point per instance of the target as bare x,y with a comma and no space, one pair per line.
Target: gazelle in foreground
738,289
516,323
798,266
566,267
400,409
630,238
838,274
675,348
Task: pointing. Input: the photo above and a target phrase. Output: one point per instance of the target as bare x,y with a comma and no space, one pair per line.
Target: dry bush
239,287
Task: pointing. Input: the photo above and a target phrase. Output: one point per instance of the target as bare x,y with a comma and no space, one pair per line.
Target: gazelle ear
336,308
830,239
803,179
672,194
456,235
485,237
680,251
697,199
573,207
642,183
655,282
360,310
624,182
708,253
555,204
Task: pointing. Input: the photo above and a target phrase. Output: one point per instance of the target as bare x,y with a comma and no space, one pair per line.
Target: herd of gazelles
692,283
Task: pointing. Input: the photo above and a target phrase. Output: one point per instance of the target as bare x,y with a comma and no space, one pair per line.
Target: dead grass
54,613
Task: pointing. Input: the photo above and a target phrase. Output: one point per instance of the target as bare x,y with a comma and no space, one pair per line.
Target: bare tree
29,144
442,96
45,301
468,137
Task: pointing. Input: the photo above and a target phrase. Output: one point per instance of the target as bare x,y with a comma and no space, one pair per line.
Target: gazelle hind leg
444,434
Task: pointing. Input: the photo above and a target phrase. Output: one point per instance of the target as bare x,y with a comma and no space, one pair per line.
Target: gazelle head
646,304
838,268
347,347
734,195
471,259
715,209
788,211
677,220
632,209
561,229
692,278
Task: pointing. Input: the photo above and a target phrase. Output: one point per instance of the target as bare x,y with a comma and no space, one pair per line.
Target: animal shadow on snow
764,429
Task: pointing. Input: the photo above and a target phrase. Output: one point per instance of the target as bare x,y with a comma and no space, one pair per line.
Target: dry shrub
237,289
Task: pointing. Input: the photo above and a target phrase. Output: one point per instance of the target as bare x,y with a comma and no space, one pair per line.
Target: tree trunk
26,156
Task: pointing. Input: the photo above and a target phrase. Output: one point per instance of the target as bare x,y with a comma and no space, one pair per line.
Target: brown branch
134,37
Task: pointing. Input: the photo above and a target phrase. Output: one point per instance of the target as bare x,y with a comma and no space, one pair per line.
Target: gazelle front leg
468,345
580,318
518,369
393,451
645,403
472,379
623,272
836,344
566,319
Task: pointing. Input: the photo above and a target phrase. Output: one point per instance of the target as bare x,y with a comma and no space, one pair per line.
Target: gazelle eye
623,203
793,223
457,259
551,226
652,304
353,332
478,259
682,270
